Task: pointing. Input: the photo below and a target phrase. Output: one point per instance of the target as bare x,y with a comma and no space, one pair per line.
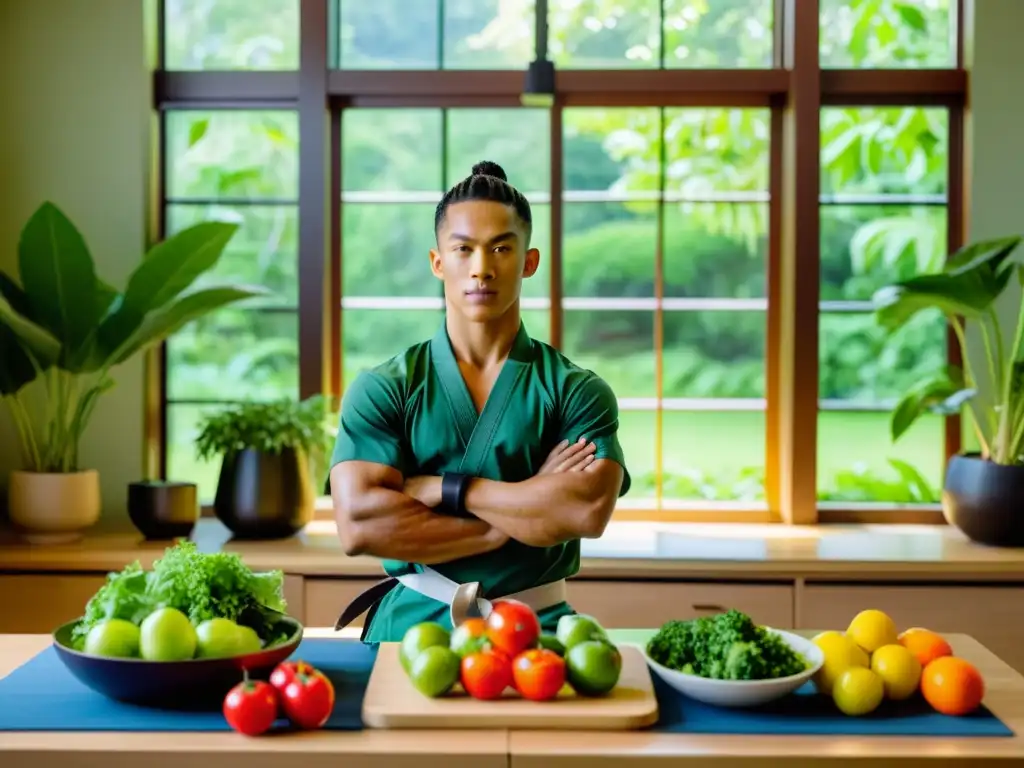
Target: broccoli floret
729,646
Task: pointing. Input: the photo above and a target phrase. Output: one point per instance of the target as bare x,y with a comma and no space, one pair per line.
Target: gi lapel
478,432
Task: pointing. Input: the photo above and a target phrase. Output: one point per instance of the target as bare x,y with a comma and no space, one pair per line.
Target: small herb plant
269,428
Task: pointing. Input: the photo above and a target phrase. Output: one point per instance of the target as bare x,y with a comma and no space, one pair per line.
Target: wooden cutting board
392,702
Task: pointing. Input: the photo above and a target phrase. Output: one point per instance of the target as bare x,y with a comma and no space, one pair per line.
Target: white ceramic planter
53,507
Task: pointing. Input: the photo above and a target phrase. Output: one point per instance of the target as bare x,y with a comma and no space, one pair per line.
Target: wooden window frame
795,89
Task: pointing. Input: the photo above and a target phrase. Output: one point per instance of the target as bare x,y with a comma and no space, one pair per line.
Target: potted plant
982,490
63,329
269,454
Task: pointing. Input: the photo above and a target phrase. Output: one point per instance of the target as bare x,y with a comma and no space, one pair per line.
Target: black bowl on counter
195,684
163,510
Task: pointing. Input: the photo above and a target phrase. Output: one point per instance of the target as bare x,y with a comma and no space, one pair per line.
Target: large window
674,182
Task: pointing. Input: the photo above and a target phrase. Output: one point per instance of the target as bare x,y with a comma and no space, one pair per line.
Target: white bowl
743,693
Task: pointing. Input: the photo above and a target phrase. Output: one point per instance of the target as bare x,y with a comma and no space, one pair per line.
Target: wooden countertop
628,550
519,749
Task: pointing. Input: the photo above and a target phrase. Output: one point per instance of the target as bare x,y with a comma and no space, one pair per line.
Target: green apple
167,635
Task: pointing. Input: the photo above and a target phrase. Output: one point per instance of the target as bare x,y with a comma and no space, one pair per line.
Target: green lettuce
199,584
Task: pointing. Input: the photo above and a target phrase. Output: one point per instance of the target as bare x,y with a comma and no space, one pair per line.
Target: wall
76,96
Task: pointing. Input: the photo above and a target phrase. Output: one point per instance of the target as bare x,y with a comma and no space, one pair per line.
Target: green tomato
167,635
435,670
593,667
578,628
115,637
420,637
221,638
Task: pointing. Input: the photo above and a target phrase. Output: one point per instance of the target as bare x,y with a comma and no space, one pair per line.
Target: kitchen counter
518,749
636,575
628,550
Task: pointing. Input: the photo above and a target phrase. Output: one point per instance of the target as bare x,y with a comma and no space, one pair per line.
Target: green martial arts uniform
415,413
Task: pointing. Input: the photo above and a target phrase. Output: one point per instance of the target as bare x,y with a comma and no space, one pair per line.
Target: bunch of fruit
166,634
508,650
872,662
296,690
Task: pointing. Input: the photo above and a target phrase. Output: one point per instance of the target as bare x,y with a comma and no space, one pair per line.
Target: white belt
464,600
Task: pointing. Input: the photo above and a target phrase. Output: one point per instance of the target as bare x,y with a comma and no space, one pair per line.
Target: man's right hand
569,457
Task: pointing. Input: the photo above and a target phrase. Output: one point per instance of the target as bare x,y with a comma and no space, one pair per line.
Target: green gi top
415,413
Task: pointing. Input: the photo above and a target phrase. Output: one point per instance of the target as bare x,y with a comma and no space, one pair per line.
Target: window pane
721,34
888,34
473,34
595,34
231,34
264,250
864,247
538,324
869,151
371,336
519,140
636,435
863,364
592,34
618,345
614,152
182,462
539,286
857,461
386,250
883,218
609,249
392,150
714,354
232,154
716,250
235,354
713,456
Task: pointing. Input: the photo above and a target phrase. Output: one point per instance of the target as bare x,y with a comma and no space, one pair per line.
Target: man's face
482,258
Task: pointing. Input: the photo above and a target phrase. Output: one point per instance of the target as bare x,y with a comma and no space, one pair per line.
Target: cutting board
391,701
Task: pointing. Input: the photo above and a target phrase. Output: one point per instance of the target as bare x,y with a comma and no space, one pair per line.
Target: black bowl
196,684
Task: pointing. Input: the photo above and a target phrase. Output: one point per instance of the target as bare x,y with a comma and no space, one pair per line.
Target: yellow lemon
841,653
899,669
872,629
858,691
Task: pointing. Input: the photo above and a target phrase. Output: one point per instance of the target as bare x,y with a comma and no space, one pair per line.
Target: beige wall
74,98
74,95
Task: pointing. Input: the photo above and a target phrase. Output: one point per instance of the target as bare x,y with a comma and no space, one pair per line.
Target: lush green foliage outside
396,163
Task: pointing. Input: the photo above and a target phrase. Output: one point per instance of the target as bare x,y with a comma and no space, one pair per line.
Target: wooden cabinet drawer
38,604
325,599
990,614
643,604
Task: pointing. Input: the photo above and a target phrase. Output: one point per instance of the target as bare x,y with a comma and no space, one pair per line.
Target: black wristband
453,493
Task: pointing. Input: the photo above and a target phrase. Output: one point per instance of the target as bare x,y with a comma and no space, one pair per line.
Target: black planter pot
264,495
983,499
163,510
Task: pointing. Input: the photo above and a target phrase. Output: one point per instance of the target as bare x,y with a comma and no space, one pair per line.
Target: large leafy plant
966,291
64,325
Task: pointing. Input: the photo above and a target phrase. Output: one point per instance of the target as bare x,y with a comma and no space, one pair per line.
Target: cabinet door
38,604
989,614
647,605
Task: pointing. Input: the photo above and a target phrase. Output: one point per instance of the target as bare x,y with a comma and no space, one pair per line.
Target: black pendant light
539,87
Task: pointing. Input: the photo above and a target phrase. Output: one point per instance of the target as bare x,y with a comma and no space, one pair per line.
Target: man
472,464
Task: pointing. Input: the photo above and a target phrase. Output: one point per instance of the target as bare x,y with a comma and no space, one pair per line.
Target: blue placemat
808,713
42,695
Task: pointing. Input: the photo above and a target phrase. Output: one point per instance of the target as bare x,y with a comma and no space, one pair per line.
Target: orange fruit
925,644
952,686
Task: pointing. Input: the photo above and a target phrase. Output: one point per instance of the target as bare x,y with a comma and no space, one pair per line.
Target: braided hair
487,182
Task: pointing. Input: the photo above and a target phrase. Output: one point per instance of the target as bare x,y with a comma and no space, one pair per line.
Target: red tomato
539,674
286,671
512,627
251,707
486,674
308,699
